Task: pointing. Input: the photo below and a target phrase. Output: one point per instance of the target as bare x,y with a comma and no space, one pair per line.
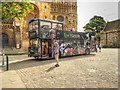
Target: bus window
33,25
34,42
32,34
44,24
57,26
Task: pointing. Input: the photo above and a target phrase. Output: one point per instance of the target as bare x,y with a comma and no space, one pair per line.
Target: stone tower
65,12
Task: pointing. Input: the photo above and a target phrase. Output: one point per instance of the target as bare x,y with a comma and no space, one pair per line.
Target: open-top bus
42,34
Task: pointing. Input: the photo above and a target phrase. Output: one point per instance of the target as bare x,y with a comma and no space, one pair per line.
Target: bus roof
45,20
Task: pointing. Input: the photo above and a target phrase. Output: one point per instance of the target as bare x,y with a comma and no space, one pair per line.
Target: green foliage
0,11
105,46
88,30
88,26
98,36
96,23
15,9
114,45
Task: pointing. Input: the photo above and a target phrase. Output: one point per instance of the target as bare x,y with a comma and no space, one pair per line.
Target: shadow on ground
50,69
33,62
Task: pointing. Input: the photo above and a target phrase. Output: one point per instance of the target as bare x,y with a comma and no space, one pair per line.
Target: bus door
34,47
46,48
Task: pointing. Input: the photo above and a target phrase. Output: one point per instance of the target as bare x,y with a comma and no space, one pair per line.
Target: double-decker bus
43,33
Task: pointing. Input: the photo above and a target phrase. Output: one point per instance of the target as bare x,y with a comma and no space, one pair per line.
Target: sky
108,9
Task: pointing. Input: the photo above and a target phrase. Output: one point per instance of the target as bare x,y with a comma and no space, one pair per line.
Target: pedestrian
43,48
50,50
56,53
96,48
52,34
99,46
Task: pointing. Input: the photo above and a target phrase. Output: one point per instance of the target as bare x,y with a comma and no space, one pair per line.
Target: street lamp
16,23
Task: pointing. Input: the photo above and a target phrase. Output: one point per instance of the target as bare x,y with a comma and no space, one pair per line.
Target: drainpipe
106,37
14,33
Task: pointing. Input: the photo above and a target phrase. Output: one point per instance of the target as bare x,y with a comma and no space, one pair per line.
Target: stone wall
25,44
110,38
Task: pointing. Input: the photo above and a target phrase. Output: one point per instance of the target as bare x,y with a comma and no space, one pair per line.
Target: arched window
5,40
30,17
45,7
53,17
66,18
54,10
45,17
60,18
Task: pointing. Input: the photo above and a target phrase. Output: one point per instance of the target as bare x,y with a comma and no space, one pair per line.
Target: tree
15,9
97,23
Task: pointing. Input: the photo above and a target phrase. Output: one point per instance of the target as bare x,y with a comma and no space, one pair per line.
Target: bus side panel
68,48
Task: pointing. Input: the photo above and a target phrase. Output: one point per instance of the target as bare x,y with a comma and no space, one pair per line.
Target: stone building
15,34
111,34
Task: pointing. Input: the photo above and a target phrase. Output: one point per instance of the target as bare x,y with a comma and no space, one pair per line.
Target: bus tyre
37,57
87,51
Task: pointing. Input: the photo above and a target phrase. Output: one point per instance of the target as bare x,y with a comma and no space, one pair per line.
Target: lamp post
16,24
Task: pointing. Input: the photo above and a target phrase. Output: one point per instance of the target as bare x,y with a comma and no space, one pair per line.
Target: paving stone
87,71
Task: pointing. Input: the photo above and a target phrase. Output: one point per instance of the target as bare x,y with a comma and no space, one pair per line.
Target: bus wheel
36,57
87,51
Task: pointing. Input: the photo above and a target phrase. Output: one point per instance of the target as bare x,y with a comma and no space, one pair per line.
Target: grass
14,52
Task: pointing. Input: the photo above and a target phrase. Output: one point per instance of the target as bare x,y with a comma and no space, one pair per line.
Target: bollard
3,59
7,63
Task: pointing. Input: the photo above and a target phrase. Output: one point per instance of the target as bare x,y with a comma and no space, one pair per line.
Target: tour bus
43,34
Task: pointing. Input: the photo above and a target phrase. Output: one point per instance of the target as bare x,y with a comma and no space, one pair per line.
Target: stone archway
36,10
33,14
5,40
29,17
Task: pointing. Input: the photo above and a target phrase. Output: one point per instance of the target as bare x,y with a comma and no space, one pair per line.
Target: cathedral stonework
65,12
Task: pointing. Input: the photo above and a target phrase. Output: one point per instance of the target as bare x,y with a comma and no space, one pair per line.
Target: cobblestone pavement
98,70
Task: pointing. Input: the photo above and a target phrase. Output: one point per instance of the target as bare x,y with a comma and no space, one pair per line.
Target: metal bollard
7,63
3,59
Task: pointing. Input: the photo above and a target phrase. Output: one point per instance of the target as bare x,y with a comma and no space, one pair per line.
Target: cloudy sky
88,8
